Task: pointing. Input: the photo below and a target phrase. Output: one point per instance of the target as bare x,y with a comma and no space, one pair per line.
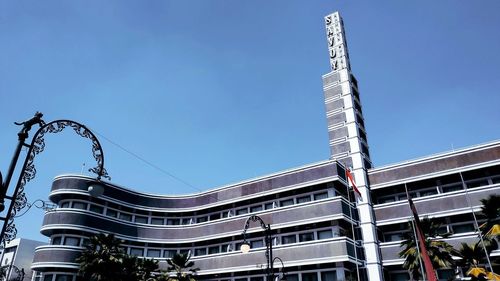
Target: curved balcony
390,256
446,203
338,249
55,256
305,176
63,219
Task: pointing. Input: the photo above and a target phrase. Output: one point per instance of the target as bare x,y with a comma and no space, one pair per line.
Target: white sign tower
347,135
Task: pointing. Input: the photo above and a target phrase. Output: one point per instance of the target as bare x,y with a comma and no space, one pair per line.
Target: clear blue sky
221,91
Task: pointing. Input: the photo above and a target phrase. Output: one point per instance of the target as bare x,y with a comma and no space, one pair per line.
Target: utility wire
147,162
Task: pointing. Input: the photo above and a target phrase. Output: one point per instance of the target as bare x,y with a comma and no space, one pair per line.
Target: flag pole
412,221
352,219
476,224
429,268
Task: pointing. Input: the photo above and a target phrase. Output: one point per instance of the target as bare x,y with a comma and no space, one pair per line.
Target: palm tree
105,260
490,210
182,267
490,229
472,257
440,252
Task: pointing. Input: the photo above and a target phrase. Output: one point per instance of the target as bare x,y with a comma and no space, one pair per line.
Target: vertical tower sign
337,46
347,135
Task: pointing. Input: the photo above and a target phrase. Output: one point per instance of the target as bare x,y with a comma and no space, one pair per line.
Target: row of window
304,276
454,224
330,275
53,277
439,189
443,275
157,252
144,219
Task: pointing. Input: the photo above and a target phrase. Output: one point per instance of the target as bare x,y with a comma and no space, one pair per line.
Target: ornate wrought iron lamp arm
268,239
28,171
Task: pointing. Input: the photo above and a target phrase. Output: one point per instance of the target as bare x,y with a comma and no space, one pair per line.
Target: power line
148,162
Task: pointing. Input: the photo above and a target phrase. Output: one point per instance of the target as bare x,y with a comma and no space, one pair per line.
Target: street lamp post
18,198
245,246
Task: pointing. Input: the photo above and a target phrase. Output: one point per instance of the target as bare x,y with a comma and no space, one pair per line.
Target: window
469,227
289,239
309,276
169,253
495,180
154,253
47,277
175,221
257,278
254,209
400,276
320,196
199,220
200,251
286,202
137,252
428,192
184,251
303,199
72,241
96,209
451,188
215,216
141,219
477,183
292,277
85,242
325,234
328,276
383,200
65,204
393,237
225,248
213,250
446,274
56,240
256,244
157,221
186,221
111,213
304,237
242,211
125,217
64,277
269,206
80,205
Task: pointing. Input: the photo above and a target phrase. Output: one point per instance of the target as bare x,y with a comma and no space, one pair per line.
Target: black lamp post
18,198
245,247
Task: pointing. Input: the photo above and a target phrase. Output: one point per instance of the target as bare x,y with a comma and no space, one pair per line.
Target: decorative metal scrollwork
254,218
28,171
12,272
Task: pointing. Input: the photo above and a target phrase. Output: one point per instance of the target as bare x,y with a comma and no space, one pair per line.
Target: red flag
429,269
351,180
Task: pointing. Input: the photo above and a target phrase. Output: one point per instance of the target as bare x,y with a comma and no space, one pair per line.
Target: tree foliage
439,251
473,256
105,260
182,267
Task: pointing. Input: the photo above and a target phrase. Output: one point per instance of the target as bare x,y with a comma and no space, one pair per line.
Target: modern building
320,229
16,259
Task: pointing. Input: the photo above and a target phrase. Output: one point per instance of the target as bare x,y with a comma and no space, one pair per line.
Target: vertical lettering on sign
336,42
